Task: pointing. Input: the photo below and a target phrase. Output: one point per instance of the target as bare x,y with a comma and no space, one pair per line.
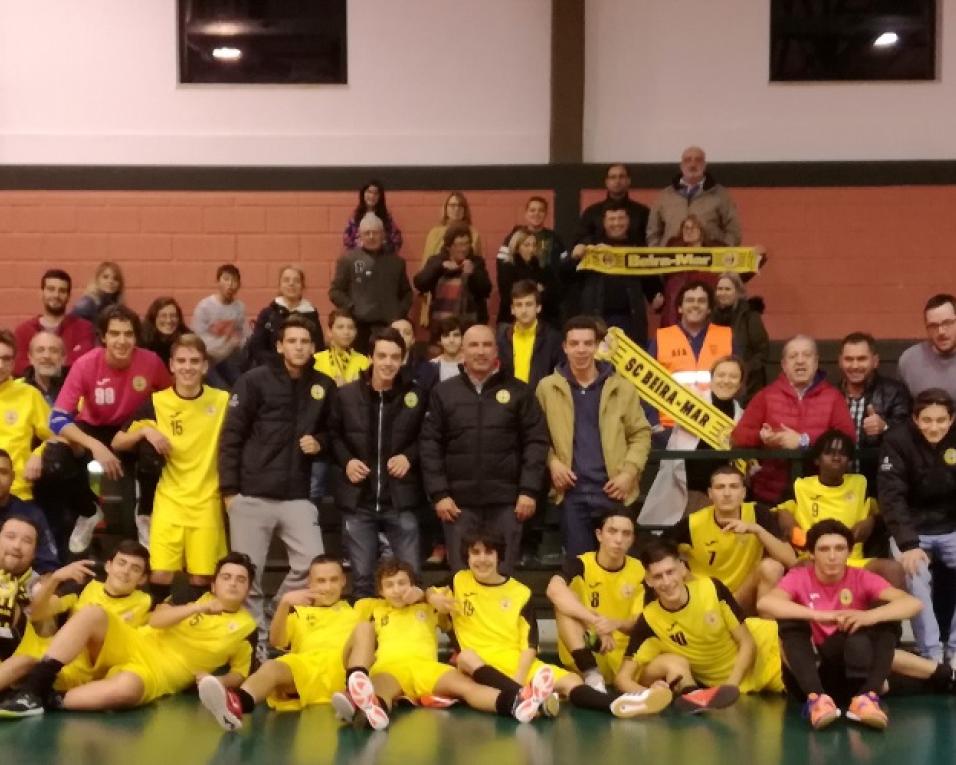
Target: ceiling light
227,54
886,39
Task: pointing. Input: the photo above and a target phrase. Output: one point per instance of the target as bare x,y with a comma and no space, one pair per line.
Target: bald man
46,371
483,451
791,413
694,192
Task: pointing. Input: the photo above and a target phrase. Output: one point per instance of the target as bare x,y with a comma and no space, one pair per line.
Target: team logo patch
503,397
949,456
232,626
411,399
318,392
505,604
846,596
711,619
234,400
420,615
627,591
10,417
211,410
849,496
886,466
139,383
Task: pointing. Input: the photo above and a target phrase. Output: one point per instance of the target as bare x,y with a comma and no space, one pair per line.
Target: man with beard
78,334
46,372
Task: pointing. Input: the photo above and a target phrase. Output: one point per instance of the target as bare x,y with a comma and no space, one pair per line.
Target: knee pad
59,463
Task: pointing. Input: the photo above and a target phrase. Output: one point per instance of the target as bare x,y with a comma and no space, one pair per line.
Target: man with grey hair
371,282
46,372
791,413
694,192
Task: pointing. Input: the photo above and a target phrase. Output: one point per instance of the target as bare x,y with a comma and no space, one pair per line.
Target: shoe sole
363,695
877,723
542,684
6,714
725,696
654,700
344,708
213,696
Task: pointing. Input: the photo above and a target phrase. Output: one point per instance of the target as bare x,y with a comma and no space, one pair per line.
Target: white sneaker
595,681
143,523
83,531
650,701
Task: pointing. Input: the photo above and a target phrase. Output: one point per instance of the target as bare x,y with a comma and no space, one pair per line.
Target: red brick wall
172,242
840,259
845,259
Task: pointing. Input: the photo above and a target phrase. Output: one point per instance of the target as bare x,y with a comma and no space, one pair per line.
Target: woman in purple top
371,198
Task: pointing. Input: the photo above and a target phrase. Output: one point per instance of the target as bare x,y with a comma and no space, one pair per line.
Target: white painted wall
662,74
430,82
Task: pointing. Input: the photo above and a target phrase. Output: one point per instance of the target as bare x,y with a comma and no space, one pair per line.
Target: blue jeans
317,482
942,548
360,534
579,513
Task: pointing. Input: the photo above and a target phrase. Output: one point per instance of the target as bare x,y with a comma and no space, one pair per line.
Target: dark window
852,40
262,41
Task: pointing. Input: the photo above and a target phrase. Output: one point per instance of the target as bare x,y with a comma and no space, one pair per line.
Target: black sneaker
21,704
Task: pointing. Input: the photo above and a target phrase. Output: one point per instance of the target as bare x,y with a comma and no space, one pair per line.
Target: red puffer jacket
821,408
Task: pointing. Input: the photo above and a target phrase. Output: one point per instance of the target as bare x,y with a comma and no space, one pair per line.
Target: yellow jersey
320,628
201,643
700,631
404,633
341,366
713,552
493,617
24,418
615,594
190,477
815,501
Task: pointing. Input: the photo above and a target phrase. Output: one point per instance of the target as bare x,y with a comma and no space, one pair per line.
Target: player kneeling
495,626
318,626
402,632
56,597
693,635
180,645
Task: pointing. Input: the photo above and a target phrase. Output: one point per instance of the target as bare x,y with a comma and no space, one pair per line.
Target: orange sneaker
820,710
866,709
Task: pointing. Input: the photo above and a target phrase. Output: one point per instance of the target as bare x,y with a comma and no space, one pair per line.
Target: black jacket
261,346
475,291
591,225
745,318
545,355
483,449
917,484
891,400
373,427
511,272
259,453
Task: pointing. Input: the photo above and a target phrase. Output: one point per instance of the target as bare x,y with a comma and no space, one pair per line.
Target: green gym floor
756,731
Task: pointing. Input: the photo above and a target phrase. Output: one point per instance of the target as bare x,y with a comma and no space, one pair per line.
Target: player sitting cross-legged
495,626
317,625
402,632
180,645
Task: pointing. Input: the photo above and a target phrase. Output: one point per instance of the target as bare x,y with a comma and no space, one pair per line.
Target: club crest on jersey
505,604
502,397
627,591
318,392
139,383
846,596
232,626
420,615
411,399
949,456
10,417
711,619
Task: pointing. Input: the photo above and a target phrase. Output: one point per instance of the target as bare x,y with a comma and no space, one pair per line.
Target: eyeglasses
936,326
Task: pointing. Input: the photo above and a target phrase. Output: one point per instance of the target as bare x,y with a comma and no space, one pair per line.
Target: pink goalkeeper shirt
856,591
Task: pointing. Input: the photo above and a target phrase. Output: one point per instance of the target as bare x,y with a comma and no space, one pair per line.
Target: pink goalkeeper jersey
856,591
110,396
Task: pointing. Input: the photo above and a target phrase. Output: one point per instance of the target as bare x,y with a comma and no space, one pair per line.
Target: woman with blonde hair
522,261
105,289
745,316
455,209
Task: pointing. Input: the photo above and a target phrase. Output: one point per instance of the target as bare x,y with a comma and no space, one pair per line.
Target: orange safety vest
677,357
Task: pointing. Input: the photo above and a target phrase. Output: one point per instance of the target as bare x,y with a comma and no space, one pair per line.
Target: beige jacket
713,206
625,433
